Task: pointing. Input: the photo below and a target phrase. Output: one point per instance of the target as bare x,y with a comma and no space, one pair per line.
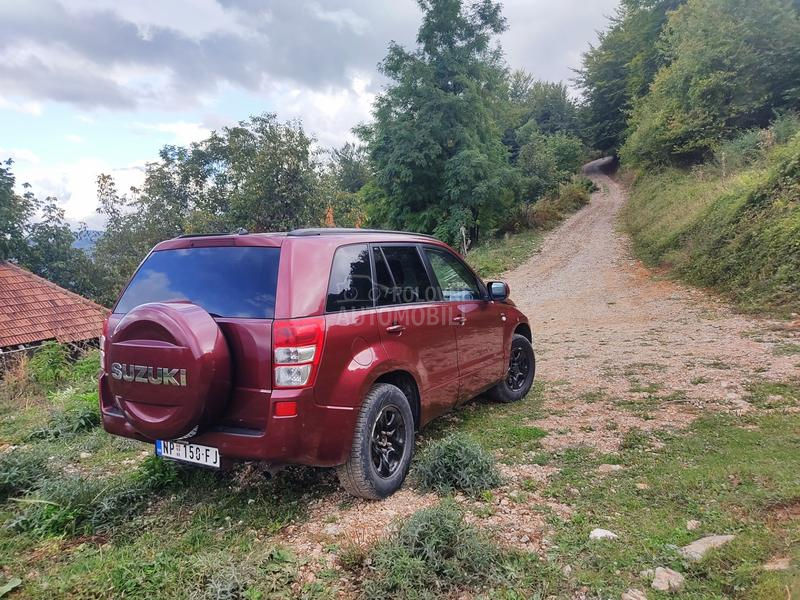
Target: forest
460,145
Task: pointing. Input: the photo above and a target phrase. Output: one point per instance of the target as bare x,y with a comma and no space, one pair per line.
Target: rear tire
383,444
517,381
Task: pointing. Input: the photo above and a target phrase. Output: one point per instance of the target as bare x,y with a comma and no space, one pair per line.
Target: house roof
33,309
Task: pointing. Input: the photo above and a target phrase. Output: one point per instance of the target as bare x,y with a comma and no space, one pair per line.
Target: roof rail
240,231
350,230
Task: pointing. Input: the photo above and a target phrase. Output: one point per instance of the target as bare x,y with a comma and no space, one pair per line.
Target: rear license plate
192,453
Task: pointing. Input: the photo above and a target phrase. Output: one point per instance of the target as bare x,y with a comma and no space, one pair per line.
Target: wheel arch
407,384
524,330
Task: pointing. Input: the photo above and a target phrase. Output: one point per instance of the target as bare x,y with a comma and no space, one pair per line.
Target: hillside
732,225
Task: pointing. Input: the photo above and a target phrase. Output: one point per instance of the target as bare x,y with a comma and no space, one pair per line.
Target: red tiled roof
33,309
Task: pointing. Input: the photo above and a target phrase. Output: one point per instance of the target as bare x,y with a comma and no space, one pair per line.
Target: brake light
103,345
296,348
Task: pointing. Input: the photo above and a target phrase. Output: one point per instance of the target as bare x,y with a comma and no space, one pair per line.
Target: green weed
20,471
432,554
456,462
50,364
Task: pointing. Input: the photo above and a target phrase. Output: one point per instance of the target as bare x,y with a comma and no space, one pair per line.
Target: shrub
431,554
20,471
263,573
744,149
544,214
457,462
572,196
50,364
785,127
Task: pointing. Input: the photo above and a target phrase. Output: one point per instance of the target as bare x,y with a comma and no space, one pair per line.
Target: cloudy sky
98,86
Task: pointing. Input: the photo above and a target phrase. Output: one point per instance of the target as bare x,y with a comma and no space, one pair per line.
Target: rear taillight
296,348
103,345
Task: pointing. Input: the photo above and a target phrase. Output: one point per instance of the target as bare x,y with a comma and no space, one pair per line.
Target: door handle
460,319
396,328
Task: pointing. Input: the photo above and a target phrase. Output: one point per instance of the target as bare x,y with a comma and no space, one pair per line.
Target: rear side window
401,276
350,287
226,281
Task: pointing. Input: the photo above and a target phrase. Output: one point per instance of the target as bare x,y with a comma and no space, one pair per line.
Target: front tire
519,376
383,444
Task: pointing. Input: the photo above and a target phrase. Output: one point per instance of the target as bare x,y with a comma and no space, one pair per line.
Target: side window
455,279
350,287
401,276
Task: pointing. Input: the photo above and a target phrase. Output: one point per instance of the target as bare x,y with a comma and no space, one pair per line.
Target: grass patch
496,256
773,394
75,413
20,471
456,463
786,349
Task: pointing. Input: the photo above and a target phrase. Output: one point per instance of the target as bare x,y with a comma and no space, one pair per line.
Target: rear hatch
236,285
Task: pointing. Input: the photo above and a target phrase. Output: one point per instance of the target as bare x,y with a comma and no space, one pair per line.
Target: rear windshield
227,281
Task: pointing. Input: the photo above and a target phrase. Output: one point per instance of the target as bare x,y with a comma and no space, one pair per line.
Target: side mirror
498,290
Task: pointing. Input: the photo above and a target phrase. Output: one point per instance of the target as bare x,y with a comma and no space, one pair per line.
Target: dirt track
633,350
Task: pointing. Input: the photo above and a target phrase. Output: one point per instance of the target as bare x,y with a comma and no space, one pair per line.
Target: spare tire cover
170,369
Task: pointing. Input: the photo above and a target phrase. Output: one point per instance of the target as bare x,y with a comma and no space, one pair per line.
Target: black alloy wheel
388,441
518,369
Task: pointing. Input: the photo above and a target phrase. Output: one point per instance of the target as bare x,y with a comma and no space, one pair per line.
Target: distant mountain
86,240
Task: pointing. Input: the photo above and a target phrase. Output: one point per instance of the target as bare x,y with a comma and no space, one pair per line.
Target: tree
261,175
350,167
546,161
435,142
51,253
620,68
732,64
15,211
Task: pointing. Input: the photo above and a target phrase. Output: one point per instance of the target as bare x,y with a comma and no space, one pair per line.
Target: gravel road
629,349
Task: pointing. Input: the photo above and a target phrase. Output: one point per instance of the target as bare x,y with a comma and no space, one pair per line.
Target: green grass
88,516
736,234
786,349
726,477
496,256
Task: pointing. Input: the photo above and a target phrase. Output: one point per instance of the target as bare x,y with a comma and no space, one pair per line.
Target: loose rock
633,594
604,469
602,534
692,524
698,549
778,564
667,580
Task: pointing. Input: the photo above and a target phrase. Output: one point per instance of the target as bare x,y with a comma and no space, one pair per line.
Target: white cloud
74,138
183,132
342,18
74,184
328,115
28,107
19,155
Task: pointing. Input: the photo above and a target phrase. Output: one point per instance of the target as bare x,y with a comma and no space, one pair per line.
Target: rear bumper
317,436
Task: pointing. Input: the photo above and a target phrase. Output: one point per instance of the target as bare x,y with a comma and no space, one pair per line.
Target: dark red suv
326,347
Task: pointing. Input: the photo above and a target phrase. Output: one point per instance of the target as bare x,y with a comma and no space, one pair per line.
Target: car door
477,321
413,325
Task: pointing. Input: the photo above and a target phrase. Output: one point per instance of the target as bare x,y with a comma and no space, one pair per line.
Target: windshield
227,281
